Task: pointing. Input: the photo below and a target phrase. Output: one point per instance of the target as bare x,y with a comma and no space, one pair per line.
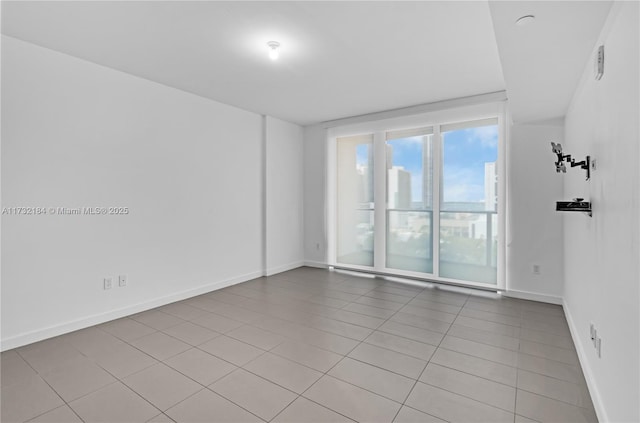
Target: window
435,193
409,238
355,200
468,206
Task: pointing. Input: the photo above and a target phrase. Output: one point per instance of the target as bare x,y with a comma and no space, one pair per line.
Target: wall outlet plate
108,283
122,280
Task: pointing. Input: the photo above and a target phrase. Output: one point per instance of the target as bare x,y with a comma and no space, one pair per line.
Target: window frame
406,124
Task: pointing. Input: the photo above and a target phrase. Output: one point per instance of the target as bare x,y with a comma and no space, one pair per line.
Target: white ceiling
338,59
542,62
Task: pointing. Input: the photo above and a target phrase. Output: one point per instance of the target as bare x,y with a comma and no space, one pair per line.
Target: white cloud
417,141
487,135
462,184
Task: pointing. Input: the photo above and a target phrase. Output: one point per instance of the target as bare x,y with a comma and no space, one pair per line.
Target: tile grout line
417,380
117,379
156,330
207,387
429,361
363,341
303,325
298,306
421,328
332,367
64,402
373,289
451,324
323,374
316,381
158,361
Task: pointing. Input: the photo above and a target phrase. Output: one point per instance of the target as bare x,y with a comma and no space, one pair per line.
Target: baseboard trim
96,319
284,268
596,398
318,264
532,296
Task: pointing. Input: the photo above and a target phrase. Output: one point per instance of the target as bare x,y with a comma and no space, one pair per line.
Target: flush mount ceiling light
273,50
525,20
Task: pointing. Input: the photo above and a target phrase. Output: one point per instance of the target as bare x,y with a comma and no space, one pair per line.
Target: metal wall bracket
560,166
577,205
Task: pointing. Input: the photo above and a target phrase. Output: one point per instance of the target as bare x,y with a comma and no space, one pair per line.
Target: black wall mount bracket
576,205
562,158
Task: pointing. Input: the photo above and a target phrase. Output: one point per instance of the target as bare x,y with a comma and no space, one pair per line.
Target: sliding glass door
409,235
469,202
434,193
355,200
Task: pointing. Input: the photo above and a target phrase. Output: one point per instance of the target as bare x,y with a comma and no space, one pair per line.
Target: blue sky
465,153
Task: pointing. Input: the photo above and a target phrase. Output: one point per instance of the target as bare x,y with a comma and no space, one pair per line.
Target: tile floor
309,345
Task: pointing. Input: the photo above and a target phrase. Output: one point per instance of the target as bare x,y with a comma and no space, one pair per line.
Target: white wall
189,169
315,207
535,234
602,253
284,184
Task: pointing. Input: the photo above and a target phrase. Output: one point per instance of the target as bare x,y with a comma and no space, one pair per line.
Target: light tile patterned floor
309,345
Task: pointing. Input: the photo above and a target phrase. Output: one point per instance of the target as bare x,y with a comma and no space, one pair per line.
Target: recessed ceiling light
273,50
525,20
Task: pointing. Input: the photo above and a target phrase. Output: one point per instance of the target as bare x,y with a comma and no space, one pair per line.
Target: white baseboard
596,398
284,268
317,264
96,319
532,296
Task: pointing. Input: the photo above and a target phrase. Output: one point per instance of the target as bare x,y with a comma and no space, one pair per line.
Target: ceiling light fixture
273,50
525,20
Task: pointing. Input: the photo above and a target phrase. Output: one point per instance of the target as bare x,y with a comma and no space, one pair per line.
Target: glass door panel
468,207
409,241
409,235
354,220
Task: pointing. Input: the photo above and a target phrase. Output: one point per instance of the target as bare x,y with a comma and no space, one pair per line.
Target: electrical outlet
592,331
595,337
122,280
599,347
535,269
108,283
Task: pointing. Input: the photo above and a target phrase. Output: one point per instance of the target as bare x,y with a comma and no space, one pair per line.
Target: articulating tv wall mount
560,166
